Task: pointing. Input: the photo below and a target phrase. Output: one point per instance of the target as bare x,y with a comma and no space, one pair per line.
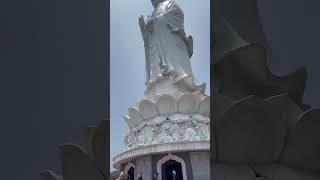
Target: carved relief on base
173,128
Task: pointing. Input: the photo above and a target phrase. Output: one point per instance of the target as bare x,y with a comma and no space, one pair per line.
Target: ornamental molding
176,127
189,146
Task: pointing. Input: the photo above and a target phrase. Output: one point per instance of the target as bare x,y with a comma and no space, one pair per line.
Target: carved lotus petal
141,126
50,175
199,94
166,104
279,172
251,131
220,105
135,117
302,150
254,76
76,164
221,171
128,122
100,145
188,103
89,135
289,109
147,109
204,107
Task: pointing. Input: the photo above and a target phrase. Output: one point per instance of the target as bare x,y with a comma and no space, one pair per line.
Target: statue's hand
142,24
150,26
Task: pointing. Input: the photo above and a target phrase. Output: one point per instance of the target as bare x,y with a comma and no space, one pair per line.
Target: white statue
174,174
167,49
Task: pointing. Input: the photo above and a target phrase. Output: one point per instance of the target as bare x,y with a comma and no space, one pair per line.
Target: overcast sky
127,68
52,72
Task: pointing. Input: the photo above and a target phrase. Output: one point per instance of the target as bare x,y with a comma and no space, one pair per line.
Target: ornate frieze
171,128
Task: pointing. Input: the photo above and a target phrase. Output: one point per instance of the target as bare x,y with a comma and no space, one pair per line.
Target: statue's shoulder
172,3
169,4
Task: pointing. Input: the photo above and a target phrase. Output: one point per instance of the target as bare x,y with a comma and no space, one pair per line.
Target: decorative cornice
160,148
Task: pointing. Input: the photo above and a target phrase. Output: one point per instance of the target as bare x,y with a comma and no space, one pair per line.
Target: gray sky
127,68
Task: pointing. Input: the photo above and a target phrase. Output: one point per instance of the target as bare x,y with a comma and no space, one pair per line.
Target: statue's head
155,3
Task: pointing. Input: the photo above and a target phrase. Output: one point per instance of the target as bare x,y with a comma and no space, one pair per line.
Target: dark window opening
131,174
172,170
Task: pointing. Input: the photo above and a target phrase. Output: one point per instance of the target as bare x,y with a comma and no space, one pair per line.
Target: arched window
169,165
129,170
171,170
131,174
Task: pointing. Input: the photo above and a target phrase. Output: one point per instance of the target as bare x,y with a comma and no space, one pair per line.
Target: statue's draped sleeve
175,17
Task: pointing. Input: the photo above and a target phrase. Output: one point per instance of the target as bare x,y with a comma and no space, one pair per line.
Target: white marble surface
144,165
200,165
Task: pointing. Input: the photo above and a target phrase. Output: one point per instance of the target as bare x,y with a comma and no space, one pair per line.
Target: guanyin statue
167,50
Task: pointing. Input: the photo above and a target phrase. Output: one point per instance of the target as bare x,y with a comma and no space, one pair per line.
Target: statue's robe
167,48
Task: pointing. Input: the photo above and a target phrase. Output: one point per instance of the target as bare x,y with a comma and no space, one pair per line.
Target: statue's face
155,3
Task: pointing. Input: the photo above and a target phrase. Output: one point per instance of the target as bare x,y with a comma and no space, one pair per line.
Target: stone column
200,165
143,164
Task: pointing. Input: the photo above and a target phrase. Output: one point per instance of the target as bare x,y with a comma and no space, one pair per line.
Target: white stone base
187,146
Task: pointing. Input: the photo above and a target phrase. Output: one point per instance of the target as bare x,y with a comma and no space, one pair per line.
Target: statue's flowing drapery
168,51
